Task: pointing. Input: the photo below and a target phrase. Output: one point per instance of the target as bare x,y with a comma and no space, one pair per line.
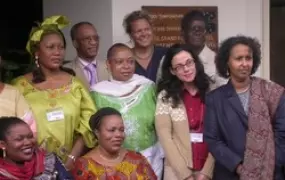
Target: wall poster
166,24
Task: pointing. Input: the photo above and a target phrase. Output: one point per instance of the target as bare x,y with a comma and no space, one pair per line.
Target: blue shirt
151,71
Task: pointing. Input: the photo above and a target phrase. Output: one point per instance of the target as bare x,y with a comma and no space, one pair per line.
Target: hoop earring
4,152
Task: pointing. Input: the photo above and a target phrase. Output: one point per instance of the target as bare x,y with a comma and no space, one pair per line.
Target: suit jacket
173,132
226,125
101,69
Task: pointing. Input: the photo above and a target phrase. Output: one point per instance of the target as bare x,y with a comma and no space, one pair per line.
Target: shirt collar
185,91
86,63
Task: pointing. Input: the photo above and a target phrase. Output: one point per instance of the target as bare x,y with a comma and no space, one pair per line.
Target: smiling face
111,133
121,64
19,143
51,51
240,62
183,67
141,33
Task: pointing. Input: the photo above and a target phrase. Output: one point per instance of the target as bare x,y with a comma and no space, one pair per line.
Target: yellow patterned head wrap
51,23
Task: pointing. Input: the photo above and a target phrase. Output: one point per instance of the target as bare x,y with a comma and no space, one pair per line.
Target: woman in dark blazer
245,119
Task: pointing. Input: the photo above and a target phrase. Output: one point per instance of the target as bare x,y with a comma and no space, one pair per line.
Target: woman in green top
61,104
134,96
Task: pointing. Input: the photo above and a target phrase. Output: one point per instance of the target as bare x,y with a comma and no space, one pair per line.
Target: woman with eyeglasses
180,113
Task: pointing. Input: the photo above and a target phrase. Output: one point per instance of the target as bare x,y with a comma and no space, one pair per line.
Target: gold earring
37,61
4,152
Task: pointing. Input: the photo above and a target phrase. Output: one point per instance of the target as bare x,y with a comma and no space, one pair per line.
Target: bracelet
71,157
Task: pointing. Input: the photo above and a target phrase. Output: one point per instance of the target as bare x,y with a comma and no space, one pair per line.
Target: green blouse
138,110
61,114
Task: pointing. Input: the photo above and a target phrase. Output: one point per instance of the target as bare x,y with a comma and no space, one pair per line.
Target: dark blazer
226,125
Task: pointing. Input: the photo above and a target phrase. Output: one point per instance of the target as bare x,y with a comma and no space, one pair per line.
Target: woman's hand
239,169
69,164
200,176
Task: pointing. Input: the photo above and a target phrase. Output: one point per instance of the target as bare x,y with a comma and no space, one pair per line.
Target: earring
4,152
37,61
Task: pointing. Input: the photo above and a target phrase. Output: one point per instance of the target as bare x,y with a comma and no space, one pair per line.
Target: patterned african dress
134,166
61,114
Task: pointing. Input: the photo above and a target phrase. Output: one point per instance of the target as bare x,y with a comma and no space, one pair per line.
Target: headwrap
51,23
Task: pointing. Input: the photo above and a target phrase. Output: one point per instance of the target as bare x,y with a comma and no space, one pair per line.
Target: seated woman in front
109,160
20,159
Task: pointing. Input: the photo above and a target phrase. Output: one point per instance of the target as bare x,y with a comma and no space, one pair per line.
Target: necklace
244,90
108,159
147,57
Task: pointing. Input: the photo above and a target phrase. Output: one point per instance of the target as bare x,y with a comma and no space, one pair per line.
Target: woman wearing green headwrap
61,104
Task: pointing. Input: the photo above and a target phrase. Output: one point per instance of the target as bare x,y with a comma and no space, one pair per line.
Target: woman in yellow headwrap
61,104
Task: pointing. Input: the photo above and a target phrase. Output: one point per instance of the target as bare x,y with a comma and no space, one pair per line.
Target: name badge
55,114
196,137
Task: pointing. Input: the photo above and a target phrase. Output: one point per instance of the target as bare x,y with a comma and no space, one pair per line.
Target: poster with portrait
166,22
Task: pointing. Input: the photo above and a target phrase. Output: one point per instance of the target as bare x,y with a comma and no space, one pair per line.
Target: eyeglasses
180,68
90,39
197,29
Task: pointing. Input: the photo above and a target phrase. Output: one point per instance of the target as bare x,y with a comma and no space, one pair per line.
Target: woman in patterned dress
109,160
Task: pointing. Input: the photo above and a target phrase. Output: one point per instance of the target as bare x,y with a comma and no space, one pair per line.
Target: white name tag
196,137
55,114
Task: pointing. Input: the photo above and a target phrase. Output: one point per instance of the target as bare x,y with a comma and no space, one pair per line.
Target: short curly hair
191,16
133,16
227,45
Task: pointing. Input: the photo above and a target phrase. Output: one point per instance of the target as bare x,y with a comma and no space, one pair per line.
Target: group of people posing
147,112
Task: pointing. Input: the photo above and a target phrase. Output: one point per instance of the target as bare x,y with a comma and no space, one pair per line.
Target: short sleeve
24,112
23,109
21,84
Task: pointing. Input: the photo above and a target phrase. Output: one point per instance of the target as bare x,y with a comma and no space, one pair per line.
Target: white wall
98,12
248,17
234,16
